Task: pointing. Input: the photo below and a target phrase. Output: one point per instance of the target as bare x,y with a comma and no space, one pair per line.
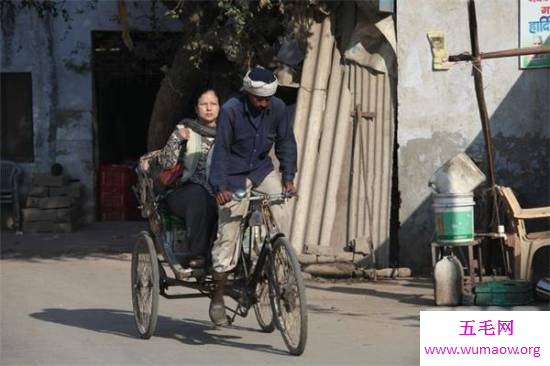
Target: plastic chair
10,174
525,244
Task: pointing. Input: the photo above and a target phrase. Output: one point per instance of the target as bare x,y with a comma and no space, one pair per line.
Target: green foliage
50,7
248,32
43,8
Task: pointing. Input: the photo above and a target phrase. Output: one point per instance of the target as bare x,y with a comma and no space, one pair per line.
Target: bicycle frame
244,294
264,258
266,279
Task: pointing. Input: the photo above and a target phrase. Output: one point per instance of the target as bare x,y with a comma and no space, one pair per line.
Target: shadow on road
99,240
423,299
121,323
420,282
415,299
318,309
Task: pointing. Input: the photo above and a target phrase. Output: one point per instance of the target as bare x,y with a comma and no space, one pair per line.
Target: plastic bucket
454,217
458,175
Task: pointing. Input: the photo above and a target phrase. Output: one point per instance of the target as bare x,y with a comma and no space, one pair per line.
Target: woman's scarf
200,128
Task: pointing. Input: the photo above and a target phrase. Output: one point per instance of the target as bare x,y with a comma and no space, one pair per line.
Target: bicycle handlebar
241,195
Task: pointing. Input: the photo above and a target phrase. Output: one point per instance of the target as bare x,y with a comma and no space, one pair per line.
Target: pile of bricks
53,205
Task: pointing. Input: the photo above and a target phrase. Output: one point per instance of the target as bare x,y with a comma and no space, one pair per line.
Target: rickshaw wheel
262,305
145,285
290,305
263,308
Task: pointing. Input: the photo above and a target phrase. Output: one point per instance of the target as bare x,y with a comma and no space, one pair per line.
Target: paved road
75,309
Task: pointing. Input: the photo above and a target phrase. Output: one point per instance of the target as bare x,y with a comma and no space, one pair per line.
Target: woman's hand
184,133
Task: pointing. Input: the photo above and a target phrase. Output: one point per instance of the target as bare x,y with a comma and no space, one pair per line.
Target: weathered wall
58,54
438,115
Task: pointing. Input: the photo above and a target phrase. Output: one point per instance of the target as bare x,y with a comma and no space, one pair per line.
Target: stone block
307,258
404,272
33,202
50,180
73,190
35,214
346,257
76,189
59,191
394,272
326,259
55,214
335,270
39,191
38,227
387,272
55,202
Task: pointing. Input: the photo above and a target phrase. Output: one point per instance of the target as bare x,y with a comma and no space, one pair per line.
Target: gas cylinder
449,280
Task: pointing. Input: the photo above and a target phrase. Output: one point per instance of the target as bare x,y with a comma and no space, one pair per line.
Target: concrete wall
438,114
58,54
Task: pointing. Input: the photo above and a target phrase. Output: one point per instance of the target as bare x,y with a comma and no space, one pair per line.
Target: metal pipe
341,138
325,151
500,54
484,115
352,185
303,103
361,184
515,52
378,183
371,146
306,88
354,165
309,157
366,95
386,120
478,82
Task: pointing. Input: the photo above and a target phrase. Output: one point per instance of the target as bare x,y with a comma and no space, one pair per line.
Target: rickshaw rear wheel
145,285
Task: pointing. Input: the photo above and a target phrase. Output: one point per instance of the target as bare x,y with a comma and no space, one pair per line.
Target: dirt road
68,302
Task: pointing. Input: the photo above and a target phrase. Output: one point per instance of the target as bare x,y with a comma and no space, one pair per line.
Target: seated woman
192,198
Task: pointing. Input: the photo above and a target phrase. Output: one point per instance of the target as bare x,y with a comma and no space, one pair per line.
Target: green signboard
534,31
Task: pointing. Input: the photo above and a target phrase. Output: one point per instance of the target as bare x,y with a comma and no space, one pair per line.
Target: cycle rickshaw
267,277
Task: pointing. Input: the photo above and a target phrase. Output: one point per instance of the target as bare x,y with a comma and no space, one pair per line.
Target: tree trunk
173,99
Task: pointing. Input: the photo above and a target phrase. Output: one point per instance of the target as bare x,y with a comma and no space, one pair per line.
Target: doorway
125,85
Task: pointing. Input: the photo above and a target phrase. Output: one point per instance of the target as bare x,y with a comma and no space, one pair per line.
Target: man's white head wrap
260,82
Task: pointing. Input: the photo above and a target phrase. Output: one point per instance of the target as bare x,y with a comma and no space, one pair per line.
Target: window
16,125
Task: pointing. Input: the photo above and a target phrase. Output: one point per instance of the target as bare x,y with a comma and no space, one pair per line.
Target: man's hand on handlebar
290,188
223,197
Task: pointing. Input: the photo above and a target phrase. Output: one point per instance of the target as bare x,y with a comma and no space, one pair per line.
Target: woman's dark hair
202,91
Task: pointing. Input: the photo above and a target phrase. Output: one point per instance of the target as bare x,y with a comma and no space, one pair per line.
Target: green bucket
454,217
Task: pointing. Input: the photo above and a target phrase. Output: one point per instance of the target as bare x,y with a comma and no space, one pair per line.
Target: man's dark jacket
244,137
